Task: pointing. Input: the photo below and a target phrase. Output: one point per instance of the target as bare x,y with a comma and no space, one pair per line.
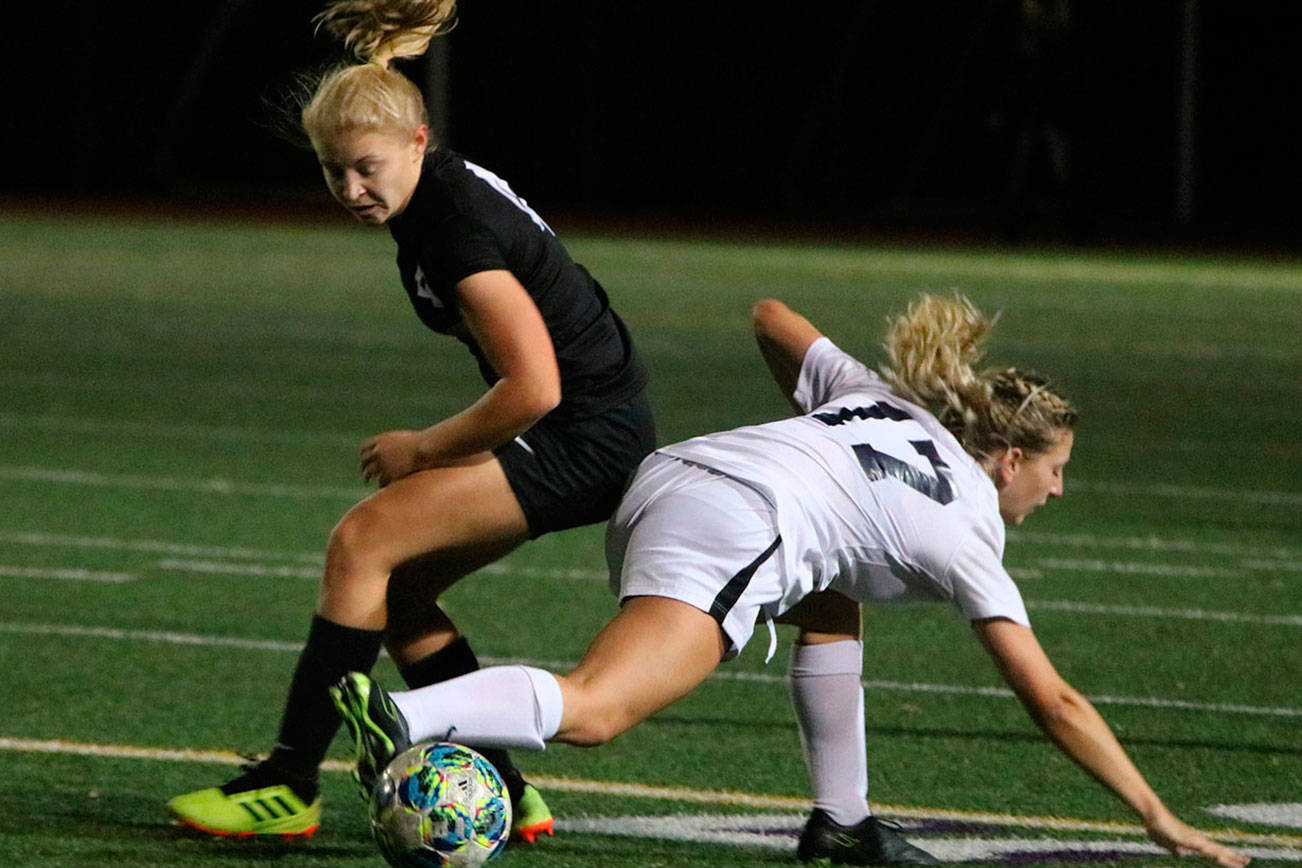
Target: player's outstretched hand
1184,840
389,456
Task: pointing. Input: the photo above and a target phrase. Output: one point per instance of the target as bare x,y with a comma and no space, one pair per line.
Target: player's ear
420,139
1007,463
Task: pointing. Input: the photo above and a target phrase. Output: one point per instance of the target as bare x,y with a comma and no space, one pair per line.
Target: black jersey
463,219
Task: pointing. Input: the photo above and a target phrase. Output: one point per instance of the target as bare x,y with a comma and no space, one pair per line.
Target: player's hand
1184,840
389,456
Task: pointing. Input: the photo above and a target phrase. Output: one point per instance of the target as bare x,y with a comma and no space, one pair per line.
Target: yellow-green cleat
378,728
273,810
530,816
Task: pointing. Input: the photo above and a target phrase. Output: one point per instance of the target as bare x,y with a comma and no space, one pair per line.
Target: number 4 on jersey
879,465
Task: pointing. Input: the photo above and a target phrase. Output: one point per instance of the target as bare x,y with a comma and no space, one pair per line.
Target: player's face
372,173
1027,480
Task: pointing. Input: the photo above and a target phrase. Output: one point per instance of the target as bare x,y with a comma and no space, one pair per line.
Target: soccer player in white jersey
885,486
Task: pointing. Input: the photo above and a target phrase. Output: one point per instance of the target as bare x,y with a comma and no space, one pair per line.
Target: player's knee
350,536
592,719
354,545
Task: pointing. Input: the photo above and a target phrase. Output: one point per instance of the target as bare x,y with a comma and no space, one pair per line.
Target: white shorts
689,533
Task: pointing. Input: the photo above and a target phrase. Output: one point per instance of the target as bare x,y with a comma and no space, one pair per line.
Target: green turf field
181,408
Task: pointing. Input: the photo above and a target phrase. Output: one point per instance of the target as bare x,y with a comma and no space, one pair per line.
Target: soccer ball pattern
439,804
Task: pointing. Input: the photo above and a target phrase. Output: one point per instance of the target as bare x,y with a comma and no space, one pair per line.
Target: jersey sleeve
827,372
459,247
982,587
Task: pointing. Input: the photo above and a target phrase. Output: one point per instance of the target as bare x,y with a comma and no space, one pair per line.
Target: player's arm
1080,732
509,330
784,337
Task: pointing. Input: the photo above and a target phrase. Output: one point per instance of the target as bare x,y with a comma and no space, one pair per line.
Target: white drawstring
773,638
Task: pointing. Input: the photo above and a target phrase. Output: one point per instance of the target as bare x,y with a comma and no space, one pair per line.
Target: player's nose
354,189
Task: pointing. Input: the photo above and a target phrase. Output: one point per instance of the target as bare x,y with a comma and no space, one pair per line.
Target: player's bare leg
417,626
469,509
654,652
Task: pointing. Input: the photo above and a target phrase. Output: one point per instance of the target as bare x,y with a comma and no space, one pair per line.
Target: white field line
1151,544
208,389
644,791
1005,693
196,563
153,546
527,572
1271,813
224,486
1156,612
204,558
232,568
167,483
1284,558
1184,492
984,843
506,569
1171,571
120,427
723,675
1273,566
166,637
74,575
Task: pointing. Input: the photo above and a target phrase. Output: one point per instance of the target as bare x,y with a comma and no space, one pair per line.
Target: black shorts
567,474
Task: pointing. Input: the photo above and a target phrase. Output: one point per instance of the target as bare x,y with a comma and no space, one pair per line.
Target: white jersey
873,497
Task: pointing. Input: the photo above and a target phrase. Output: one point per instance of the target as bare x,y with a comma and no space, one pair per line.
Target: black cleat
868,842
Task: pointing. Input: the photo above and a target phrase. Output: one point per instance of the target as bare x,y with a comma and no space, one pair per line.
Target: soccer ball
439,804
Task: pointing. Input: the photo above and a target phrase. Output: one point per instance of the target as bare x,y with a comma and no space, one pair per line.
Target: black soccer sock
310,720
448,662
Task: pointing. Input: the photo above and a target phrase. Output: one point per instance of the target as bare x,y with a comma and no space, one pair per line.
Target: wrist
1151,811
425,452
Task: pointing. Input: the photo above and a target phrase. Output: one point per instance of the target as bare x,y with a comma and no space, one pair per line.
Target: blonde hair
932,348
371,95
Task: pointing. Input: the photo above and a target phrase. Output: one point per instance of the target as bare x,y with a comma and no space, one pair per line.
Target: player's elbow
545,397
533,397
765,311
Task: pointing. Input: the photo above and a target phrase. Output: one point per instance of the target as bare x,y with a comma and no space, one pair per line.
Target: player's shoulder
828,374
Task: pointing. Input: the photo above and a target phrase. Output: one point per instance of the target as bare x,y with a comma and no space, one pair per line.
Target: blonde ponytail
379,31
932,349
371,95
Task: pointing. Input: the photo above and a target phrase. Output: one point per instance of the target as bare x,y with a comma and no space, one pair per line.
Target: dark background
972,117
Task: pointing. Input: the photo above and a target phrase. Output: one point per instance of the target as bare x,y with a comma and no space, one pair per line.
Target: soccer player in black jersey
548,446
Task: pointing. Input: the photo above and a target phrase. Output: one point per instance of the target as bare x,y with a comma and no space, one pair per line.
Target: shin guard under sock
828,698
310,721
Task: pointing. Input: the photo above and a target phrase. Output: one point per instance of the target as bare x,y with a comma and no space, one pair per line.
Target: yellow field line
674,794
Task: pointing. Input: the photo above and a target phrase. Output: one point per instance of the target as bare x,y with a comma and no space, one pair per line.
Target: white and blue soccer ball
440,805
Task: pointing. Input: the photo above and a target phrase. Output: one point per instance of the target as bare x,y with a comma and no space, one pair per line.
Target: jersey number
879,465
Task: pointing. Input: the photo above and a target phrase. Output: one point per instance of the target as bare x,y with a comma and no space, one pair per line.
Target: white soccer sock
828,698
501,706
